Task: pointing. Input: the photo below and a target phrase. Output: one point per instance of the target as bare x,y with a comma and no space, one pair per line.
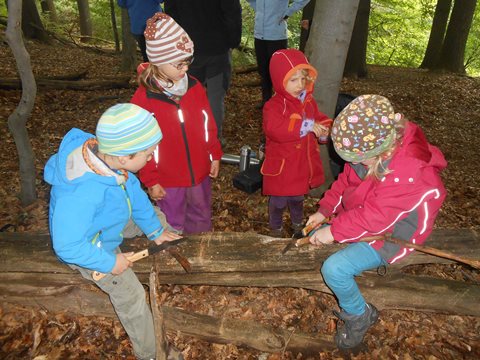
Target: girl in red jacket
178,177
391,184
292,124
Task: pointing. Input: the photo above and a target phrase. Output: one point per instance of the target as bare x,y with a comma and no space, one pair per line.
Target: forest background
398,30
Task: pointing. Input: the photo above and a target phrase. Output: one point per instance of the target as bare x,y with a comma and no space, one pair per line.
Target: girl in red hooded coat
293,126
178,177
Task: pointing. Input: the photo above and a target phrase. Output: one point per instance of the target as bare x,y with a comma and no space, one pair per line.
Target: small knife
302,237
97,275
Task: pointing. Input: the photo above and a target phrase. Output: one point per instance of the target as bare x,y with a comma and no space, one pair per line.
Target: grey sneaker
351,334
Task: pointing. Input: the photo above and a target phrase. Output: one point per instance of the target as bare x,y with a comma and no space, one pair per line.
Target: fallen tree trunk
31,275
120,82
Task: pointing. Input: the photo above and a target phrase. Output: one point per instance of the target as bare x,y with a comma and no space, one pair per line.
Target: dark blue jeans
278,204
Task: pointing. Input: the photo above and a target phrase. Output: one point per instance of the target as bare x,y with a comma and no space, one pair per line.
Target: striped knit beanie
166,41
365,128
125,129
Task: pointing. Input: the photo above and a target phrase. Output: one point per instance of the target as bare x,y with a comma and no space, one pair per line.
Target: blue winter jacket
139,11
269,17
89,211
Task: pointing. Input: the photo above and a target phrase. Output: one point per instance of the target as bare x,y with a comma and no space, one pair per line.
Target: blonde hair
149,75
376,169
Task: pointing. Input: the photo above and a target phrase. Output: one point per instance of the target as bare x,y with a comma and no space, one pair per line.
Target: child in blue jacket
94,195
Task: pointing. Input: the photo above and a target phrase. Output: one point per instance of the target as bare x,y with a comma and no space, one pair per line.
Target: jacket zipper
187,149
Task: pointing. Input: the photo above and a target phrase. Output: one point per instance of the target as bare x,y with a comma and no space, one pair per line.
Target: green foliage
399,31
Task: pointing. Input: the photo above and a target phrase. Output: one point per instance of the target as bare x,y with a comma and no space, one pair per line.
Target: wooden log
119,83
78,296
224,252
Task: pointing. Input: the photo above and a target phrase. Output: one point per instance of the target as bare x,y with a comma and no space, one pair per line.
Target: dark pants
277,205
264,50
215,73
142,45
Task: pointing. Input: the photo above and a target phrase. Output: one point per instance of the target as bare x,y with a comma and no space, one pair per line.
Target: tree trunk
129,46
18,119
29,271
114,26
307,19
440,21
85,20
48,7
32,26
327,50
356,63
453,49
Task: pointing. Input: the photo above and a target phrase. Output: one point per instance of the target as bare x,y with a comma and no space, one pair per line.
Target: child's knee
332,269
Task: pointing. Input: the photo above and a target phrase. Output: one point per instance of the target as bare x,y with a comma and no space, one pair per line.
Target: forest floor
446,106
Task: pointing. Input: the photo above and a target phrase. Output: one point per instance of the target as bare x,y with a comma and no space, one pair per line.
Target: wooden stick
425,249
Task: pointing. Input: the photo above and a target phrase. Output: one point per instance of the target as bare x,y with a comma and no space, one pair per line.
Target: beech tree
452,55
129,45
327,48
32,25
18,119
435,42
356,63
48,7
85,20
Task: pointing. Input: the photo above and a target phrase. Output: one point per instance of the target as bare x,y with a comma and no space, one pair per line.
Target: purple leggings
277,205
188,209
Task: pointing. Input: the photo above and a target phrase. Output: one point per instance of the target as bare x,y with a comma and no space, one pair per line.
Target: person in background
292,125
390,184
93,199
178,177
139,11
216,28
270,33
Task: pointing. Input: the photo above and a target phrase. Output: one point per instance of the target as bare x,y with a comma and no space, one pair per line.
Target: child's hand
214,168
122,263
166,236
157,192
322,236
315,219
319,130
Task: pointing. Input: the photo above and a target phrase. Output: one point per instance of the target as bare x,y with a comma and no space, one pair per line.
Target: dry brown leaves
446,106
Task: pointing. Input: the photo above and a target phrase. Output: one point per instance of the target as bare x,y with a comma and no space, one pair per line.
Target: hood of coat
416,147
283,64
68,166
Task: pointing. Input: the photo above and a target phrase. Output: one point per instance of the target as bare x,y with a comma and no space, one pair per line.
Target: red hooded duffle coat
292,163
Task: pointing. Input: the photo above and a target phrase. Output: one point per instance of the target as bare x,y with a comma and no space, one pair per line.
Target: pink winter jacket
404,202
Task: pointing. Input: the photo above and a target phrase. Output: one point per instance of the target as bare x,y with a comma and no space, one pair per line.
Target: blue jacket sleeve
123,3
143,213
296,6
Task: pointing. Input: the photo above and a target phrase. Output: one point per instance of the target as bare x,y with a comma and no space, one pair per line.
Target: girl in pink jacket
391,184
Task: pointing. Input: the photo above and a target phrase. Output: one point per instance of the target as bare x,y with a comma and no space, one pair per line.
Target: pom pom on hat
167,42
125,129
365,128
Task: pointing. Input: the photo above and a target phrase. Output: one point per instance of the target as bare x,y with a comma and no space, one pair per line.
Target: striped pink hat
167,42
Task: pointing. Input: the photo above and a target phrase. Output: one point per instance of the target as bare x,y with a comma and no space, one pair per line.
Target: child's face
296,84
175,71
138,161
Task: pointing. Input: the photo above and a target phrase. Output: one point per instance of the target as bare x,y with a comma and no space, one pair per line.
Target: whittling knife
97,275
302,237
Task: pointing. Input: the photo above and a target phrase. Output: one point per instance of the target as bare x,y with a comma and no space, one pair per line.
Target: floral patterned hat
365,128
